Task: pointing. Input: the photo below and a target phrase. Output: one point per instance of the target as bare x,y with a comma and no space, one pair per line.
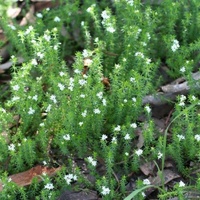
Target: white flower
148,61
15,98
49,186
39,15
84,113
66,137
130,2
146,182
197,137
82,96
104,102
110,29
11,147
139,152
125,100
127,137
118,128
181,137
143,194
77,71
139,54
48,108
34,62
91,8
126,154
148,109
61,74
194,98
105,190
40,55
35,97
160,155
182,69
61,86
104,137
53,98
47,37
31,111
134,99
80,123
181,184
133,125
69,178
175,45
85,53
114,140
182,98
181,104
97,111
92,161
82,82
56,19
148,36
16,87
12,27
100,95
105,15
44,162
132,79
41,124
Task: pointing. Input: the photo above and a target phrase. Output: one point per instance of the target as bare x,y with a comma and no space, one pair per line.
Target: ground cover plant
103,100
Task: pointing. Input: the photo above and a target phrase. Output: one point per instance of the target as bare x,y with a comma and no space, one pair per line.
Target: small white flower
44,162
61,86
53,98
80,123
55,47
181,104
148,61
133,125
134,99
125,100
148,109
126,154
15,98
41,124
127,137
130,2
148,36
124,59
47,37
105,15
82,82
61,74
85,53
84,113
49,186
182,69
16,87
105,190
181,137
77,71
132,79
31,111
40,55
117,128
114,140
160,155
143,194
181,184
69,178
97,111
110,29
146,182
34,62
194,98
56,19
92,161
139,54
48,108
197,137
175,45
100,95
182,98
35,97
11,147
82,96
139,152
104,102
66,137
39,15
12,27
104,137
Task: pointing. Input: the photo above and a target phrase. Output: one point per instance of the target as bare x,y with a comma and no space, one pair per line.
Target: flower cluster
69,178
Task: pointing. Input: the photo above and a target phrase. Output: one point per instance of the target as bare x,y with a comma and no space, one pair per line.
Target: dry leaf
25,178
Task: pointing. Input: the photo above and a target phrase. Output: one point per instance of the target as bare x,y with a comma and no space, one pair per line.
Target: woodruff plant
67,111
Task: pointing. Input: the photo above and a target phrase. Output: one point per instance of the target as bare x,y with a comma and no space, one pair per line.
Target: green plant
67,113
